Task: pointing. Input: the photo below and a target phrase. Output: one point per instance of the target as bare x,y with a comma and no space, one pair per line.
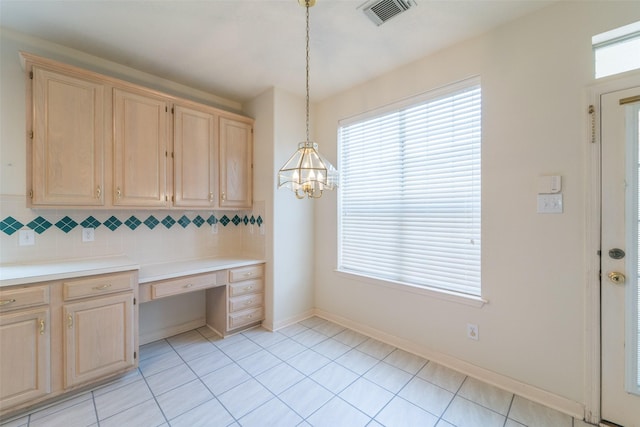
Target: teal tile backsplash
40,225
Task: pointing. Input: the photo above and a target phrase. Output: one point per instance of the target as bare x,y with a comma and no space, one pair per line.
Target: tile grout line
200,380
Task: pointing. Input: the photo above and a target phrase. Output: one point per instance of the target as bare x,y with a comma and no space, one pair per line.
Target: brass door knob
616,277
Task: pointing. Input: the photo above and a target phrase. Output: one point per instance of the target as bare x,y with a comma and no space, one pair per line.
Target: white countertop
170,270
25,273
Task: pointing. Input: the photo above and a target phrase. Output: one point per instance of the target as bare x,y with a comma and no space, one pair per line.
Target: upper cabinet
95,141
139,149
236,164
195,152
67,139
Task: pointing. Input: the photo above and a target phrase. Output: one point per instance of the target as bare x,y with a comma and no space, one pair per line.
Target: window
409,200
616,51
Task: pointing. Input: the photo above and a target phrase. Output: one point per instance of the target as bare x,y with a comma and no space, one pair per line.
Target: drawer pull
41,326
190,285
249,302
248,288
7,301
102,287
247,274
69,321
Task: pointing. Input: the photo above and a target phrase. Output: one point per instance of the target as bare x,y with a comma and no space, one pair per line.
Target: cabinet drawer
98,285
244,302
183,285
12,299
246,273
245,317
246,287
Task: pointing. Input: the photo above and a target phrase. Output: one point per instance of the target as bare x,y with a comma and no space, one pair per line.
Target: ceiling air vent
380,11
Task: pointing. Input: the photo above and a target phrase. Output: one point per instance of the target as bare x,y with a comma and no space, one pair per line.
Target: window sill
470,300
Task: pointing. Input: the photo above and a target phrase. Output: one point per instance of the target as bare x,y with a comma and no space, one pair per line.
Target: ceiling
239,48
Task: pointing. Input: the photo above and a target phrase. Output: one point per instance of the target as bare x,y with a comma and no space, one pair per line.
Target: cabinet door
195,146
140,149
236,164
98,338
68,140
24,356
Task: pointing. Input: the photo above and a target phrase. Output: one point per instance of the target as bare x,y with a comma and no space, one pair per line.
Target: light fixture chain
307,59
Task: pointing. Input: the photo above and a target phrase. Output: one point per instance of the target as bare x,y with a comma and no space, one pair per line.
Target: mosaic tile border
10,225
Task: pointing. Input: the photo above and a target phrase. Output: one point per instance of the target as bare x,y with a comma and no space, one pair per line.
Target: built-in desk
234,288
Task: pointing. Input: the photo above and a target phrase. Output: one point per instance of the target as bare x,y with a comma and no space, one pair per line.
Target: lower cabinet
62,335
24,356
98,338
239,304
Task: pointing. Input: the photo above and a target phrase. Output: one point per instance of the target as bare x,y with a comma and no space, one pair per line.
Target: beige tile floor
313,373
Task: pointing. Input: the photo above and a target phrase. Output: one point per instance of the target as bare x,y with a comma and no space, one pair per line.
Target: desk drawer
246,273
97,285
244,302
183,285
246,287
12,299
245,317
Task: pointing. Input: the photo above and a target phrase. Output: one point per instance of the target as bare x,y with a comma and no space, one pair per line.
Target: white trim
443,294
527,391
279,324
593,368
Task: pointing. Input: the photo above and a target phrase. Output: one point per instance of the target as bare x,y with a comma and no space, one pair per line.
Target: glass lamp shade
307,173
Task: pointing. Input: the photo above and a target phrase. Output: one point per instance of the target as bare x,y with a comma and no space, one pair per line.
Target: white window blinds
409,200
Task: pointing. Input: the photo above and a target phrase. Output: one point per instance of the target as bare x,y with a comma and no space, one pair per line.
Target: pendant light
307,173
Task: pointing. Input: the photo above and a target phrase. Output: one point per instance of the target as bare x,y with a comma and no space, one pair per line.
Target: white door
620,134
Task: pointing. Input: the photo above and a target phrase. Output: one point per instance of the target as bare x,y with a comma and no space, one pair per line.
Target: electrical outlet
472,331
26,237
214,228
88,234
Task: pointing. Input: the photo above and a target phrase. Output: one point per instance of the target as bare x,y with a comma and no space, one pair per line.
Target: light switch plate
550,203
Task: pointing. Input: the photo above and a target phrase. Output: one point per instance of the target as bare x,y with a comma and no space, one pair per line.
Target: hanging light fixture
307,173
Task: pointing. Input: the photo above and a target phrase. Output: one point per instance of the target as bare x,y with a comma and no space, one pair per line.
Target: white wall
534,74
280,119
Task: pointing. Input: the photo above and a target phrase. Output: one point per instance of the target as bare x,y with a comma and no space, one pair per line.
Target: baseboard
527,391
171,331
291,320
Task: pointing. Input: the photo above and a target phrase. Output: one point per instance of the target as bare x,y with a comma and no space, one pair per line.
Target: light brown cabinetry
240,304
61,335
195,152
236,163
25,358
140,149
67,139
95,135
98,328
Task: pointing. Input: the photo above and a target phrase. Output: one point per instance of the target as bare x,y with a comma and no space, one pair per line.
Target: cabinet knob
224,196
41,326
210,197
98,192
69,320
118,193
